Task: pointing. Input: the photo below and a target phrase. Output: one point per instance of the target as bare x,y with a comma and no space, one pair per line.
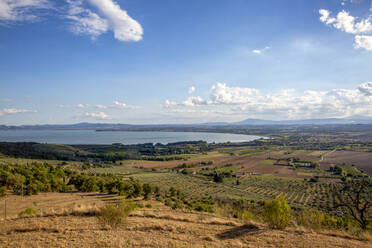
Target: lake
108,137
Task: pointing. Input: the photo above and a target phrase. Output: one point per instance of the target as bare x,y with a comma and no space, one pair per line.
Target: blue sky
180,61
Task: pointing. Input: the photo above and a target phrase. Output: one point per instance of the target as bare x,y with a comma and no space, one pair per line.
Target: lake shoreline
132,137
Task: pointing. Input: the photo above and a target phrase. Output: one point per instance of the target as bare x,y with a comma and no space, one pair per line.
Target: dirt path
326,154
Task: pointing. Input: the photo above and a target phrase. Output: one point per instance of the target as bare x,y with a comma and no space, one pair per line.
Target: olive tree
356,198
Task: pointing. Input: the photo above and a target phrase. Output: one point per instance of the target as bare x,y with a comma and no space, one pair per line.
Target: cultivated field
362,160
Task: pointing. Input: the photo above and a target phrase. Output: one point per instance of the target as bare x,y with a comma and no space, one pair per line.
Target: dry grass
53,203
160,226
172,231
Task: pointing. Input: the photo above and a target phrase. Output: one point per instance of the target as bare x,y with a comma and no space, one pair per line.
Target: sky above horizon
153,62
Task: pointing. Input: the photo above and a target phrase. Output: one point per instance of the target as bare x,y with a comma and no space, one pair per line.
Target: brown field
161,226
248,164
256,163
362,160
51,202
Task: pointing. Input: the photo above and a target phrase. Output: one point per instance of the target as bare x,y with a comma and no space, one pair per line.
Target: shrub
2,191
147,190
202,207
177,204
244,215
277,213
140,205
30,211
217,178
168,202
115,214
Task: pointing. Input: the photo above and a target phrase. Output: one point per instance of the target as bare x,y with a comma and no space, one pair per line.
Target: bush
30,211
317,220
168,202
2,191
202,207
115,214
243,215
277,213
147,190
177,204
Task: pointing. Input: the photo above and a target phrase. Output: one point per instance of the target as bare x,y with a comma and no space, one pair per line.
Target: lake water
108,137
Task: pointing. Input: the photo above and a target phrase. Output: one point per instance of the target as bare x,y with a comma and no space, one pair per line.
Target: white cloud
363,41
191,89
345,22
21,10
80,105
259,51
222,94
194,101
324,16
125,28
366,88
120,105
109,17
349,24
284,104
85,21
91,17
169,104
101,106
12,111
99,115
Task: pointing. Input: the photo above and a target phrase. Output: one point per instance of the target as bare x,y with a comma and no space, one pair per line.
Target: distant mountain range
247,122
349,120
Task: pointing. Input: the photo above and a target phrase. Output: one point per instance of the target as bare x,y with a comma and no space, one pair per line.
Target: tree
218,178
355,197
315,164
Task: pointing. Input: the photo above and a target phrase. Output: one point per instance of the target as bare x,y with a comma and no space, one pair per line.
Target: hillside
158,226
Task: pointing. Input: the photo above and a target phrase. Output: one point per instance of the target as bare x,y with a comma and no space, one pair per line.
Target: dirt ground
155,226
168,228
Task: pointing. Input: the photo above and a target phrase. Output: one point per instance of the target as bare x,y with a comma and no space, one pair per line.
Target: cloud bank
12,111
99,116
285,104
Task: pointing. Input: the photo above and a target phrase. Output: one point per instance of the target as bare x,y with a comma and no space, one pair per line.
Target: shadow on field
239,231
